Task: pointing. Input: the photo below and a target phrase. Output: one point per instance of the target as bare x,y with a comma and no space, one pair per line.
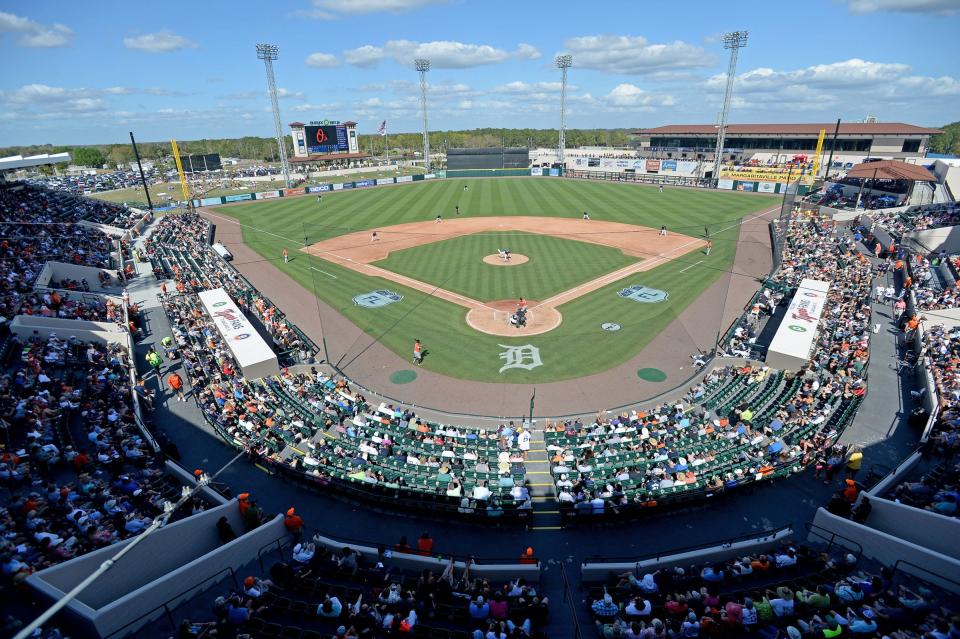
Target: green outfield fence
320,189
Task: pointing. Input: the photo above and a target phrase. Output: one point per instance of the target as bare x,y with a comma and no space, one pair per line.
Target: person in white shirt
480,491
523,441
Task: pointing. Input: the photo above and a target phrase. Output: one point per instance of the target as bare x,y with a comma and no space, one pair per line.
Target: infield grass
579,346
556,264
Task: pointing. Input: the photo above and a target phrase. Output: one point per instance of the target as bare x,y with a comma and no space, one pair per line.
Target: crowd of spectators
179,248
918,218
343,594
76,473
742,423
793,592
25,203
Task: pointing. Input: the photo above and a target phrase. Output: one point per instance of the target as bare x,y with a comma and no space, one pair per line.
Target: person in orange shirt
417,352
425,544
294,524
175,383
286,256
526,557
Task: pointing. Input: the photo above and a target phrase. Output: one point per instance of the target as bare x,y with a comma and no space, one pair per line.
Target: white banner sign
266,195
536,170
405,178
725,184
798,330
251,352
384,181
338,187
766,187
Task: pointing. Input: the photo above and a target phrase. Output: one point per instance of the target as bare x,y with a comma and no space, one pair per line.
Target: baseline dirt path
357,251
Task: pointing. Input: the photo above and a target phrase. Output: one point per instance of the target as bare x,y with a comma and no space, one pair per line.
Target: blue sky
78,72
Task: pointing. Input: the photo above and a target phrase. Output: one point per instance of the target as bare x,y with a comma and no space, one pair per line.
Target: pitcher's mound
494,319
515,259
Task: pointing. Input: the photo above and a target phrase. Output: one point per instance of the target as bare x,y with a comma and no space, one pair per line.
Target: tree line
948,141
265,149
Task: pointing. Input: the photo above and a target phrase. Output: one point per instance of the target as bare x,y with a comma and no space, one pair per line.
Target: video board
330,138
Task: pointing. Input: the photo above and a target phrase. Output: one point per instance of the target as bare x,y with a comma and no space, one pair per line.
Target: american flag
383,128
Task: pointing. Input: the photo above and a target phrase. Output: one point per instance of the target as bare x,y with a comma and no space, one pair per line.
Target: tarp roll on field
252,353
790,347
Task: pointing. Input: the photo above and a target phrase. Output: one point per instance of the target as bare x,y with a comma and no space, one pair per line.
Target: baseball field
595,291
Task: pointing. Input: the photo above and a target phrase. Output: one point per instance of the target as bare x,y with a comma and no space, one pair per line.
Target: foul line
691,266
314,268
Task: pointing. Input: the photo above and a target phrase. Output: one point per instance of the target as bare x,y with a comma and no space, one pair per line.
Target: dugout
488,158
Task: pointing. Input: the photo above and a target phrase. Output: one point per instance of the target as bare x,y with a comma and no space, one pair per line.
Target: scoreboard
328,138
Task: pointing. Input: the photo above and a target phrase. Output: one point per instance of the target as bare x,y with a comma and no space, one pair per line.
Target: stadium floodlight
734,40
422,65
563,63
268,53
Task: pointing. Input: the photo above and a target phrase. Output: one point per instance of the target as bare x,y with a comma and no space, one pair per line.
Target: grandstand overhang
15,162
891,170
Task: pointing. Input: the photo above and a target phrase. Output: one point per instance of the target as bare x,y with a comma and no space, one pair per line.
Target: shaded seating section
917,218
76,474
30,236
179,249
794,591
741,425
61,206
337,594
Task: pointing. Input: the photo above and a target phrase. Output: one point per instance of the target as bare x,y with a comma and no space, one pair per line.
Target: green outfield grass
555,265
578,346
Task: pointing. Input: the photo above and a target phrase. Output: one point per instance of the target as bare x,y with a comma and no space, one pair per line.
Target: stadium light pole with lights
734,40
563,63
268,53
422,65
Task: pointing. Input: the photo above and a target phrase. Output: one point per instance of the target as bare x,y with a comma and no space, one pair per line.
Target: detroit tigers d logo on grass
645,294
376,299
526,357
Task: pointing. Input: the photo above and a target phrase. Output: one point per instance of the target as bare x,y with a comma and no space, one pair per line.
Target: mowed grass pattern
578,346
556,264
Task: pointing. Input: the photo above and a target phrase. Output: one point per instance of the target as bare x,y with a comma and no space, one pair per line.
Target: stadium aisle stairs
546,514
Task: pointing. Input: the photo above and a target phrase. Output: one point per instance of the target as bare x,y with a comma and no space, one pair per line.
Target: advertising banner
725,184
210,201
297,191
347,185
536,171
762,174
238,198
429,176
766,187
384,181
404,178
337,187
195,202
554,172
440,174
668,165
652,166
253,354
798,330
322,188
745,186
362,183
266,195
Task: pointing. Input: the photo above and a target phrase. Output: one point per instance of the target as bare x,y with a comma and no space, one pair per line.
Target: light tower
268,53
733,40
563,63
422,65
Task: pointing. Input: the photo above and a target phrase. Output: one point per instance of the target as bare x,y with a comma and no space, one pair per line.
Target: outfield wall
320,189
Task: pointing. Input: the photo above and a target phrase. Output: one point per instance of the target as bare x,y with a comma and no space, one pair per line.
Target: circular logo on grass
403,377
610,326
651,374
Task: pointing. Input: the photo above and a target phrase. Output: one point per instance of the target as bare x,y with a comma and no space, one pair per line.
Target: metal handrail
938,575
165,605
761,536
568,599
479,561
279,541
833,535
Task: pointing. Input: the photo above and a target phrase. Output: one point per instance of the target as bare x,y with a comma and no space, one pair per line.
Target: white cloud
443,54
313,108
634,55
518,86
939,7
289,95
159,42
632,95
333,9
33,34
41,97
365,57
322,61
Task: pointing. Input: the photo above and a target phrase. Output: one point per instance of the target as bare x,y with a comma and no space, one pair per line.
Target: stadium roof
14,162
891,170
321,157
849,128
